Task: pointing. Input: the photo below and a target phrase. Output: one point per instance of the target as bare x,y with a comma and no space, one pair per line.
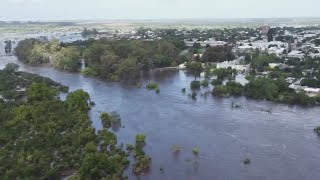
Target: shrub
216,82
161,169
220,91
195,151
195,85
90,72
11,68
176,149
233,105
140,138
152,86
194,95
234,88
115,118
246,161
143,163
317,130
106,120
92,103
205,83
157,90
130,147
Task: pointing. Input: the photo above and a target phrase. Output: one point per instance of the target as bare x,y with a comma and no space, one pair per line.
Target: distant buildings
235,64
211,42
296,54
273,47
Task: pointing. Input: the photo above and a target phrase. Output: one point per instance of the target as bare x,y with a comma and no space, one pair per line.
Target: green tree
195,68
24,49
11,68
106,120
66,59
128,69
78,100
196,45
40,92
39,54
217,54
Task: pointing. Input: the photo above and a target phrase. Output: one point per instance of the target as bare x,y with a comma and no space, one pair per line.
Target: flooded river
280,144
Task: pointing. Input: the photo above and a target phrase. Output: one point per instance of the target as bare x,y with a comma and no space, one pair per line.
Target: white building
262,45
276,50
233,65
295,54
211,42
311,90
274,65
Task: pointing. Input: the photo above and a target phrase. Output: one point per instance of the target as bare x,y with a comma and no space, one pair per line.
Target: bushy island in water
43,137
112,60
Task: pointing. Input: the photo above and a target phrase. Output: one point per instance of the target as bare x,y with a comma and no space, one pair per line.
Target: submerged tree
195,68
8,47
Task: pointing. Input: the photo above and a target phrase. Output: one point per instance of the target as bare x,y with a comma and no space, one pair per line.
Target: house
314,55
290,80
274,65
233,65
295,54
311,90
276,50
211,42
196,56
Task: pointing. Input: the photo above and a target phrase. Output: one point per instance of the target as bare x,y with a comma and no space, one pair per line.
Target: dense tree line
218,54
89,32
122,60
260,88
111,60
33,51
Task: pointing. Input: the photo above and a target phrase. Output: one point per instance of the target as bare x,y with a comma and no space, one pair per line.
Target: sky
42,10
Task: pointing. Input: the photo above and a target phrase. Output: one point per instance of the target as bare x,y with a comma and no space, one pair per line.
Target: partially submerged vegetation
317,130
153,86
108,59
176,149
247,161
205,83
43,137
143,161
14,83
33,51
195,150
140,138
195,84
266,89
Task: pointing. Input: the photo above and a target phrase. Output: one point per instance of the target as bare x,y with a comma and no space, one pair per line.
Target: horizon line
159,19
